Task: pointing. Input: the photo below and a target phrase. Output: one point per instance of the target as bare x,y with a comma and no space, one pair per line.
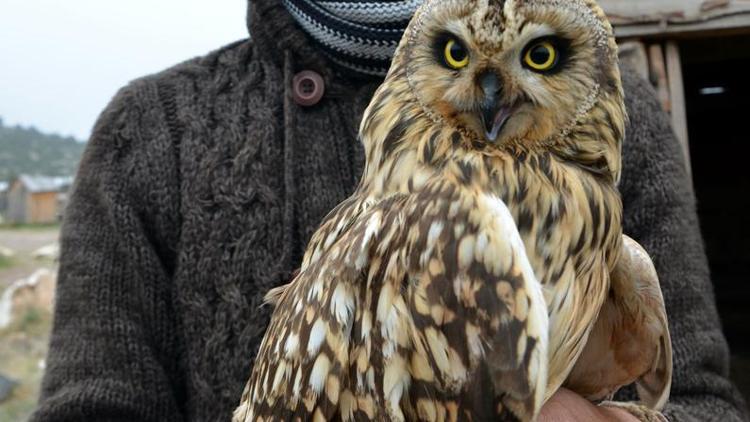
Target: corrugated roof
38,184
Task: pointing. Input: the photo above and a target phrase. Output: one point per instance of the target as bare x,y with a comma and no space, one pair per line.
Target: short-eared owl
480,265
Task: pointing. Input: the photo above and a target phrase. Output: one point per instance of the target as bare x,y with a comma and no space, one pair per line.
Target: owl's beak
494,122
494,114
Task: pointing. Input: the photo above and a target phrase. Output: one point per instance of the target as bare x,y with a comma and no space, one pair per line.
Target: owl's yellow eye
455,55
541,57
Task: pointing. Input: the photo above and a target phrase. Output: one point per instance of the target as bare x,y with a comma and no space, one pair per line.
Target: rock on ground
34,292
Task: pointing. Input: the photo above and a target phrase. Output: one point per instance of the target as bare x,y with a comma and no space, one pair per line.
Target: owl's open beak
494,121
494,114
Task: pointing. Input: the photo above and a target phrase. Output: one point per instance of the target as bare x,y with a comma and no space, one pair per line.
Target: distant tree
29,151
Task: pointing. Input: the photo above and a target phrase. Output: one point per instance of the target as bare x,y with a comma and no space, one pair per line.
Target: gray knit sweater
198,191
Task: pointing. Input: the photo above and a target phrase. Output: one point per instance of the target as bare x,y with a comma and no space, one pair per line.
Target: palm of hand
567,406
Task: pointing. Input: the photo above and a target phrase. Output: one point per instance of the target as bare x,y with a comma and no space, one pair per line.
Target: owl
480,264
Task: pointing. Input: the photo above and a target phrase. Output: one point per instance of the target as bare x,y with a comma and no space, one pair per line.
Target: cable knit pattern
197,193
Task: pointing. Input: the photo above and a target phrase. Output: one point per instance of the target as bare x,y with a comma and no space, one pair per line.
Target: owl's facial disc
509,72
491,89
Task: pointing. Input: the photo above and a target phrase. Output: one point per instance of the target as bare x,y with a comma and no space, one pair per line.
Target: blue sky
63,60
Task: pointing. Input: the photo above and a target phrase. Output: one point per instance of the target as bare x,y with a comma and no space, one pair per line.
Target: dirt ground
23,242
23,345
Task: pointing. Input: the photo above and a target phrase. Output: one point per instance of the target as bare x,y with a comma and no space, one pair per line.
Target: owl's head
510,70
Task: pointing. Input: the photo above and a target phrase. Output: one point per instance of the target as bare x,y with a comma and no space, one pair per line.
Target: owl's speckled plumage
462,279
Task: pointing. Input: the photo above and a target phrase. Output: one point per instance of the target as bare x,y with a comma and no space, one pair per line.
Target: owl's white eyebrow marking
533,31
457,29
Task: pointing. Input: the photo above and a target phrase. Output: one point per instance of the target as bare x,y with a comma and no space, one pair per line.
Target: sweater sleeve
113,350
659,212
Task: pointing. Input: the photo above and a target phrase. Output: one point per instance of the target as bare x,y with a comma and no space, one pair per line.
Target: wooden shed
36,199
697,55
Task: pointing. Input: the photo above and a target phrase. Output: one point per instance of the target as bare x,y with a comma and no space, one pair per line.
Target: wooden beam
739,24
640,18
671,11
677,99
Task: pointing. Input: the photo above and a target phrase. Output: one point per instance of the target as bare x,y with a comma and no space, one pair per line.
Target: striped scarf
358,35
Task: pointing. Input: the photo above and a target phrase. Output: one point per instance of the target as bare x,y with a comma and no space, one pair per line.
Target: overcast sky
61,61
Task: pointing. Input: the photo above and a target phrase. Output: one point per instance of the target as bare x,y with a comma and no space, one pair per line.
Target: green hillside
26,150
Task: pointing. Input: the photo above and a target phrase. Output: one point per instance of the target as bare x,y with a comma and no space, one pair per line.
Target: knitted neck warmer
355,34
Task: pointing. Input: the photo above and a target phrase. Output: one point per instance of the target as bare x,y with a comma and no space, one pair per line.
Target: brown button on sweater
197,193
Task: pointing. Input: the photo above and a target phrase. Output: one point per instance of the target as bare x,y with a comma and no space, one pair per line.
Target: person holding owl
202,185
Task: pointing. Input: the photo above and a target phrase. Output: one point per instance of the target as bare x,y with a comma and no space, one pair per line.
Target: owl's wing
480,315
422,292
630,341
301,366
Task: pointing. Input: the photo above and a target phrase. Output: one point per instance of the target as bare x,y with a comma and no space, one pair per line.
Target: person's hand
567,406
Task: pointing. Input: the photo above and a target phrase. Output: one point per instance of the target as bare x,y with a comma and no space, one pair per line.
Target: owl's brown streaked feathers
404,304
463,277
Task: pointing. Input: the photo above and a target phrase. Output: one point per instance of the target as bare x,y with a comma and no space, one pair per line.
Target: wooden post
633,53
677,99
659,75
